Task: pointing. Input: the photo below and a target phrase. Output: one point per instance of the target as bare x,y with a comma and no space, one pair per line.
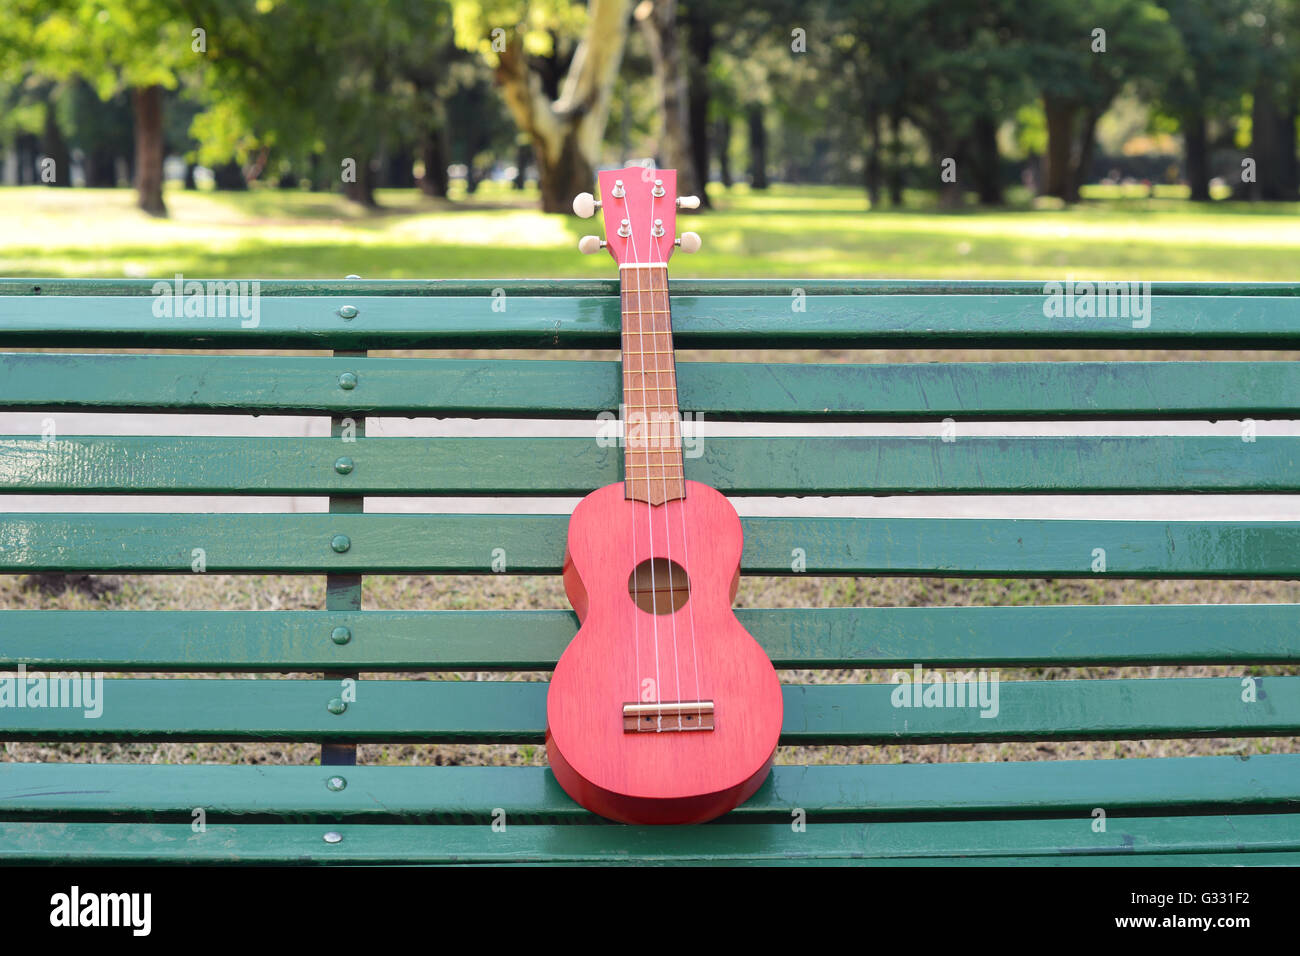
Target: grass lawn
789,231
786,232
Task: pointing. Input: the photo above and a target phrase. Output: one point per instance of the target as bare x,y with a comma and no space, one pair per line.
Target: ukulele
663,709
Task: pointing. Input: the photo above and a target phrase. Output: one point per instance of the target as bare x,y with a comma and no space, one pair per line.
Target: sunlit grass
787,231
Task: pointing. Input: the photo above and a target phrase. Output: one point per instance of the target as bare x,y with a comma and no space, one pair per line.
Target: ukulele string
654,590
677,446
636,618
663,466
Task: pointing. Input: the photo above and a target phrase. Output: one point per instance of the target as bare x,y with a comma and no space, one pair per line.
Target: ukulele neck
652,457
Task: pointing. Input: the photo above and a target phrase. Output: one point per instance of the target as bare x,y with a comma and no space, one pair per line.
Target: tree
1273,102
1213,72
559,93
658,19
292,84
116,45
1080,57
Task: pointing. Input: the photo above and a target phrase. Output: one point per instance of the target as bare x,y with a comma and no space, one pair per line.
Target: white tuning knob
589,244
687,202
690,242
585,205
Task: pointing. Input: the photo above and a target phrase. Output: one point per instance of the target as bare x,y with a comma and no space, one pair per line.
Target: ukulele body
698,652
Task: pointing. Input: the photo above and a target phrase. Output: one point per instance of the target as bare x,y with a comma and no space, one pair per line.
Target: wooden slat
1061,636
506,388
1245,835
578,466
423,288
429,795
748,315
515,711
534,544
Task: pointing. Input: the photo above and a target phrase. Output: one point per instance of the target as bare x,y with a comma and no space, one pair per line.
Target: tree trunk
724,151
522,157
1060,146
895,160
945,145
190,182
1198,156
149,148
871,169
757,146
362,190
100,169
55,147
318,184
986,168
400,174
26,145
567,132
433,153
698,94
229,176
1272,147
675,150
1087,142
1289,166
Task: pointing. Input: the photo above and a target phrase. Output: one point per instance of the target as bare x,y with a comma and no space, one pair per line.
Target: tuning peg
585,205
589,244
690,241
688,202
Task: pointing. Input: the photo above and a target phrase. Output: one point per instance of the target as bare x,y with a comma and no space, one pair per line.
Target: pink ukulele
663,709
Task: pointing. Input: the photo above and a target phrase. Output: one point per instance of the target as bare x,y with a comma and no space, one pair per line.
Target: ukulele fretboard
652,456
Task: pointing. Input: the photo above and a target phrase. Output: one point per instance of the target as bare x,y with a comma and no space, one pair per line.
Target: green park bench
1171,810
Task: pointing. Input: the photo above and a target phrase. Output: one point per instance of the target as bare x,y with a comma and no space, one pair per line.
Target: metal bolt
344,465
341,635
336,784
348,311
348,380
352,277
340,543
334,837
336,705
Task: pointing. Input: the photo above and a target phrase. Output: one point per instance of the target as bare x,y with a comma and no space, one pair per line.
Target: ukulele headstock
639,208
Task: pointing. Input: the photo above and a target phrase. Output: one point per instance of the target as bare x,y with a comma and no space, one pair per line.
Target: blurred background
1152,139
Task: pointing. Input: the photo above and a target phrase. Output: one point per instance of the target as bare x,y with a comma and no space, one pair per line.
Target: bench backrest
353,319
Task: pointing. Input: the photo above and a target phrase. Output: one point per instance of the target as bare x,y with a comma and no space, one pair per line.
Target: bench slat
425,288
534,544
577,466
531,795
1262,835
1065,635
716,318
515,712
507,388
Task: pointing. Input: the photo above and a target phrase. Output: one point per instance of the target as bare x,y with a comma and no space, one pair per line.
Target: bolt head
336,784
340,543
336,705
349,311
344,465
348,380
341,635
333,837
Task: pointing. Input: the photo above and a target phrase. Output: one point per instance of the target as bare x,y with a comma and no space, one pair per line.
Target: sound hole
659,586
